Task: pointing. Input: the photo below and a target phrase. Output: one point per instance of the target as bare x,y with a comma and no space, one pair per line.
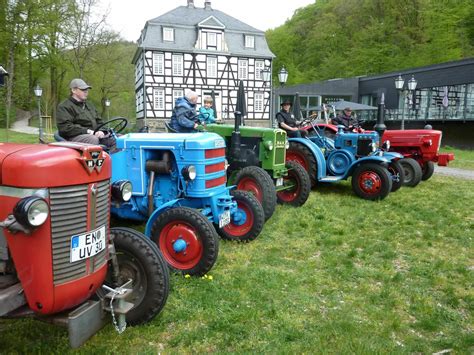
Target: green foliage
343,38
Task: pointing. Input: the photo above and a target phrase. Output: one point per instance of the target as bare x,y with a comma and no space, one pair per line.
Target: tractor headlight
386,145
122,190
189,172
226,164
31,211
287,144
374,147
268,145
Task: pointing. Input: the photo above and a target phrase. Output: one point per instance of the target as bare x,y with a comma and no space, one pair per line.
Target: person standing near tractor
287,121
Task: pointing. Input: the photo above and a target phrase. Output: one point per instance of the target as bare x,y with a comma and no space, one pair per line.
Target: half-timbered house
205,50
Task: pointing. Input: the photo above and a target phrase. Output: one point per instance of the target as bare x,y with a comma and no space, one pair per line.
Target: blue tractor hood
204,140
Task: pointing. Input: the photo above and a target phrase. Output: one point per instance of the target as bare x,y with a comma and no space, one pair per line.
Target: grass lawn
463,159
338,275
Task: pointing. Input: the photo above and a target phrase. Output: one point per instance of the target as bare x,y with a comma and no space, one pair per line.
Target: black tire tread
304,182
427,170
381,172
413,165
310,159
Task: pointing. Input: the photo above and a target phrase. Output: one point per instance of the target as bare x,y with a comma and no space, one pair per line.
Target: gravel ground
454,172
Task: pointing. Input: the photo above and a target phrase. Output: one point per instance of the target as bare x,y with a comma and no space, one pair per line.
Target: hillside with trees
346,38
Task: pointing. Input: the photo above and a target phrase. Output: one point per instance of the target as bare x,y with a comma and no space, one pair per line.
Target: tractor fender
317,153
393,155
372,159
159,211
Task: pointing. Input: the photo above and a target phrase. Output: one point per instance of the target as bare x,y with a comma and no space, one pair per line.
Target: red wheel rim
240,230
252,186
370,182
299,158
290,194
188,258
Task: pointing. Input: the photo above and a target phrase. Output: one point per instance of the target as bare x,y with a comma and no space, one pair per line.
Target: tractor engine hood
55,164
192,141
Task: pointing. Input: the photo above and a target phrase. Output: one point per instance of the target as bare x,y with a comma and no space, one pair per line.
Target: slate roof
185,22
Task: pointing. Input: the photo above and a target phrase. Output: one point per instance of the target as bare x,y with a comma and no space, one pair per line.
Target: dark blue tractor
179,190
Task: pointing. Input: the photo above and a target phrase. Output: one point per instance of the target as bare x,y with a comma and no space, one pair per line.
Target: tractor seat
169,129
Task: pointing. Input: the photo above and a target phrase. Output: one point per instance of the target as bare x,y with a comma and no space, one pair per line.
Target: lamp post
405,93
267,78
107,108
282,76
38,93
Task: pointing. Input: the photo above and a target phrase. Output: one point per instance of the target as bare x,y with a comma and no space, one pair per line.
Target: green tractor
256,158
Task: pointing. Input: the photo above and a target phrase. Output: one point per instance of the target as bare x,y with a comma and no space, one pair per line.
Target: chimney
191,4
207,5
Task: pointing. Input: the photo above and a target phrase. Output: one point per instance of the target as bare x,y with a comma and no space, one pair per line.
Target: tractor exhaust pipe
380,126
235,140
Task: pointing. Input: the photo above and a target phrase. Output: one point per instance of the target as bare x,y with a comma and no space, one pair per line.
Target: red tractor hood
55,164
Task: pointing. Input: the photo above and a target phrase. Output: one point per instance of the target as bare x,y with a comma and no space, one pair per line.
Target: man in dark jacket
287,121
345,118
77,119
184,117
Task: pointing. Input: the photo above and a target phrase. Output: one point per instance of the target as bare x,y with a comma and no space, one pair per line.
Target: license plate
224,219
279,182
86,245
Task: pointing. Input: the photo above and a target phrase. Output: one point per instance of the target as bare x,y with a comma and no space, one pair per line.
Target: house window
249,41
243,66
176,94
211,40
177,65
259,65
158,64
158,99
168,34
211,67
258,102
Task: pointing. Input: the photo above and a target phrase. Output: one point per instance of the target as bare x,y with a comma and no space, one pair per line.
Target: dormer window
211,40
249,41
168,34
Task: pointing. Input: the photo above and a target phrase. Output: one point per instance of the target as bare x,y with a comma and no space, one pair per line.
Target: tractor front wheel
257,181
247,222
396,171
412,172
371,181
187,240
139,260
427,170
303,156
299,185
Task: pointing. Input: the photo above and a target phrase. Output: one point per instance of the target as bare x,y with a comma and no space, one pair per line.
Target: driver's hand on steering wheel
99,134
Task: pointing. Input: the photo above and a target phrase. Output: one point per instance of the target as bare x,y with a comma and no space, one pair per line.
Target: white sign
88,244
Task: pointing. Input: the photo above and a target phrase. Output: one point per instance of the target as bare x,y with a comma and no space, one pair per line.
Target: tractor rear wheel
187,240
298,178
412,172
396,171
257,181
139,260
247,222
371,181
427,170
303,156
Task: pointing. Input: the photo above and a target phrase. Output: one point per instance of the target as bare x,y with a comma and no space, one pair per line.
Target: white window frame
168,34
158,99
259,66
249,41
258,101
177,93
158,64
211,67
213,43
177,60
243,69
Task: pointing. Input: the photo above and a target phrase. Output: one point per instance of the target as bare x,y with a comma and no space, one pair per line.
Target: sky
129,17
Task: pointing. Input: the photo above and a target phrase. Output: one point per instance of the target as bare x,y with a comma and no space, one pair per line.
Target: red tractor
59,260
422,145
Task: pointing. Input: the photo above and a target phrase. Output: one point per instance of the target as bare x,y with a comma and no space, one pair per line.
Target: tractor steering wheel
117,128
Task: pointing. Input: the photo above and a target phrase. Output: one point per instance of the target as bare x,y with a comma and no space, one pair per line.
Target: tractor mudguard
393,155
317,153
157,212
382,160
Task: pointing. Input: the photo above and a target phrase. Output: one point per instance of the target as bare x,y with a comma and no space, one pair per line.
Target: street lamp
282,76
405,94
38,93
107,105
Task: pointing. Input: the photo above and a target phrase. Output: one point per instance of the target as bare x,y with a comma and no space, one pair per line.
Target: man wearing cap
345,118
77,119
287,121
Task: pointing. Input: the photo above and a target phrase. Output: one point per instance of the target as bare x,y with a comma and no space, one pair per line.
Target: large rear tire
140,260
303,156
247,223
257,181
427,170
412,172
299,179
371,181
187,240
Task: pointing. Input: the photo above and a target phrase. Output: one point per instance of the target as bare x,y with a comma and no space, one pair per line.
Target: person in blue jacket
206,113
184,117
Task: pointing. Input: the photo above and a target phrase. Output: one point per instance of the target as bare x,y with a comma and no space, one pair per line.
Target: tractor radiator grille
69,209
280,150
364,147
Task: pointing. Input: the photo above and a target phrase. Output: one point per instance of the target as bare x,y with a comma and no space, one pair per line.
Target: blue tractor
179,190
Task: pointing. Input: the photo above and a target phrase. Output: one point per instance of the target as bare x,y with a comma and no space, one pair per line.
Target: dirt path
454,172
